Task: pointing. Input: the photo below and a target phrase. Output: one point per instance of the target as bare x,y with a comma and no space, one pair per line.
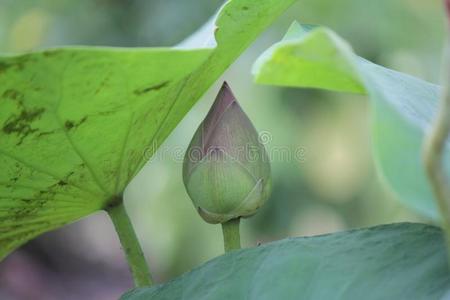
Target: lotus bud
226,169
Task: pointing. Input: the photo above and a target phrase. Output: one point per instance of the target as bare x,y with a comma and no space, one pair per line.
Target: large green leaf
398,261
75,122
403,106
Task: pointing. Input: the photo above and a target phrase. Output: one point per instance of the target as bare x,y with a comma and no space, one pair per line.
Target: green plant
77,121
404,107
71,141
398,261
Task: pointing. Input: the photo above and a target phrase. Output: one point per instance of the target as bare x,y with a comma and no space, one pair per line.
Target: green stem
130,244
434,150
231,236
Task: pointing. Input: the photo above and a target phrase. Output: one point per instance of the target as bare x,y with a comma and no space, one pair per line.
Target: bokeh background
333,186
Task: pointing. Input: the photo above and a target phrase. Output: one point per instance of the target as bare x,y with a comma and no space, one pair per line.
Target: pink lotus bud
226,169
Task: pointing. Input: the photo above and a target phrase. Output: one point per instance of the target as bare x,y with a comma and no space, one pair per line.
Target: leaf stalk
434,150
130,245
231,235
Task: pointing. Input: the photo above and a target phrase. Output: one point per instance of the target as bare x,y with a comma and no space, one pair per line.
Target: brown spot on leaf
45,133
69,124
18,63
62,183
155,87
49,53
72,124
4,66
32,205
12,94
21,124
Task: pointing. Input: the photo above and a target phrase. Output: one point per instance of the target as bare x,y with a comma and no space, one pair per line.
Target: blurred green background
324,176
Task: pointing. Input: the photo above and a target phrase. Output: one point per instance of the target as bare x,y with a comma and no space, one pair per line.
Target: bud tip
226,94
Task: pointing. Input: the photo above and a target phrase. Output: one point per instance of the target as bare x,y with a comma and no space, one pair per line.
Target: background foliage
334,186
